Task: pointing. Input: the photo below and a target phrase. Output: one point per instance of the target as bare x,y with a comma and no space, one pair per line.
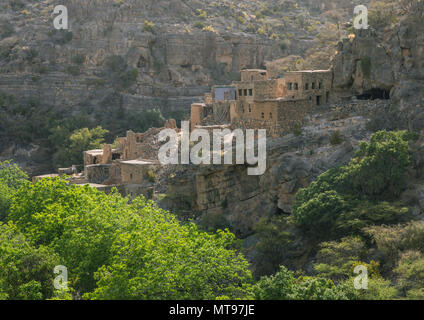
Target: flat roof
140,162
281,99
308,71
50,175
95,151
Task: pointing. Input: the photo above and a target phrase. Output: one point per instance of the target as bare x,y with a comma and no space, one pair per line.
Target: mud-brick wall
292,113
98,173
137,173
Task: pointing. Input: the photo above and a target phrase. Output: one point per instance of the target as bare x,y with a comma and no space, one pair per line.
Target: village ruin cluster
257,101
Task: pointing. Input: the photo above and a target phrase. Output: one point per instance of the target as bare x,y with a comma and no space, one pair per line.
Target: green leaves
26,272
160,259
285,286
78,142
11,178
114,249
11,175
345,199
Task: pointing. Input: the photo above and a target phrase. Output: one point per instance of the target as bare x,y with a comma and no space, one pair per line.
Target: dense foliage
33,121
116,249
348,198
285,286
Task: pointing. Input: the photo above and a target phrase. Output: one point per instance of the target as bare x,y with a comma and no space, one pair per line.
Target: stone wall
253,74
277,117
138,171
269,89
98,173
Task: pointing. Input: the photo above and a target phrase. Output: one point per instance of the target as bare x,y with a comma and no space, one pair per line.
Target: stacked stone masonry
259,102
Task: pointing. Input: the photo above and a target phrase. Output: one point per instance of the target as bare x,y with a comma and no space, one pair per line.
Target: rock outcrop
387,64
226,196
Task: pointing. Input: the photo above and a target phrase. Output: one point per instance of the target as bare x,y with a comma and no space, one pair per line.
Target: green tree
346,198
79,223
275,245
26,272
161,259
79,141
11,178
378,169
12,175
116,249
410,274
335,259
378,289
285,286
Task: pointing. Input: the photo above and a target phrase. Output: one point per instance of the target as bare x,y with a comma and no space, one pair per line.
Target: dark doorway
318,100
375,93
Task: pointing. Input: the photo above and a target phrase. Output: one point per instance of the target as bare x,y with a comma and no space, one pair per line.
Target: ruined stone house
260,102
255,102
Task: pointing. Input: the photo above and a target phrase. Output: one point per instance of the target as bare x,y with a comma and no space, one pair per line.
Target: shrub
335,259
31,54
336,138
285,286
284,45
151,176
366,67
378,289
73,70
26,272
149,26
79,59
6,30
199,24
345,199
76,143
202,14
297,130
61,36
275,245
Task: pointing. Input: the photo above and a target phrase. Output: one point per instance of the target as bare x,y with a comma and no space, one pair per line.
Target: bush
297,130
31,54
378,289
79,59
11,175
151,176
149,26
6,30
79,141
366,67
284,286
284,45
73,70
61,36
199,25
275,245
345,199
335,259
336,138
120,74
26,272
5,201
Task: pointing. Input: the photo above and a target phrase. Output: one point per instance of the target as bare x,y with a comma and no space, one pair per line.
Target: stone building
130,165
260,102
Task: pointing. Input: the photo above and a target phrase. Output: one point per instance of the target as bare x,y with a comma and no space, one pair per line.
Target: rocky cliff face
123,56
176,61
387,63
225,196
